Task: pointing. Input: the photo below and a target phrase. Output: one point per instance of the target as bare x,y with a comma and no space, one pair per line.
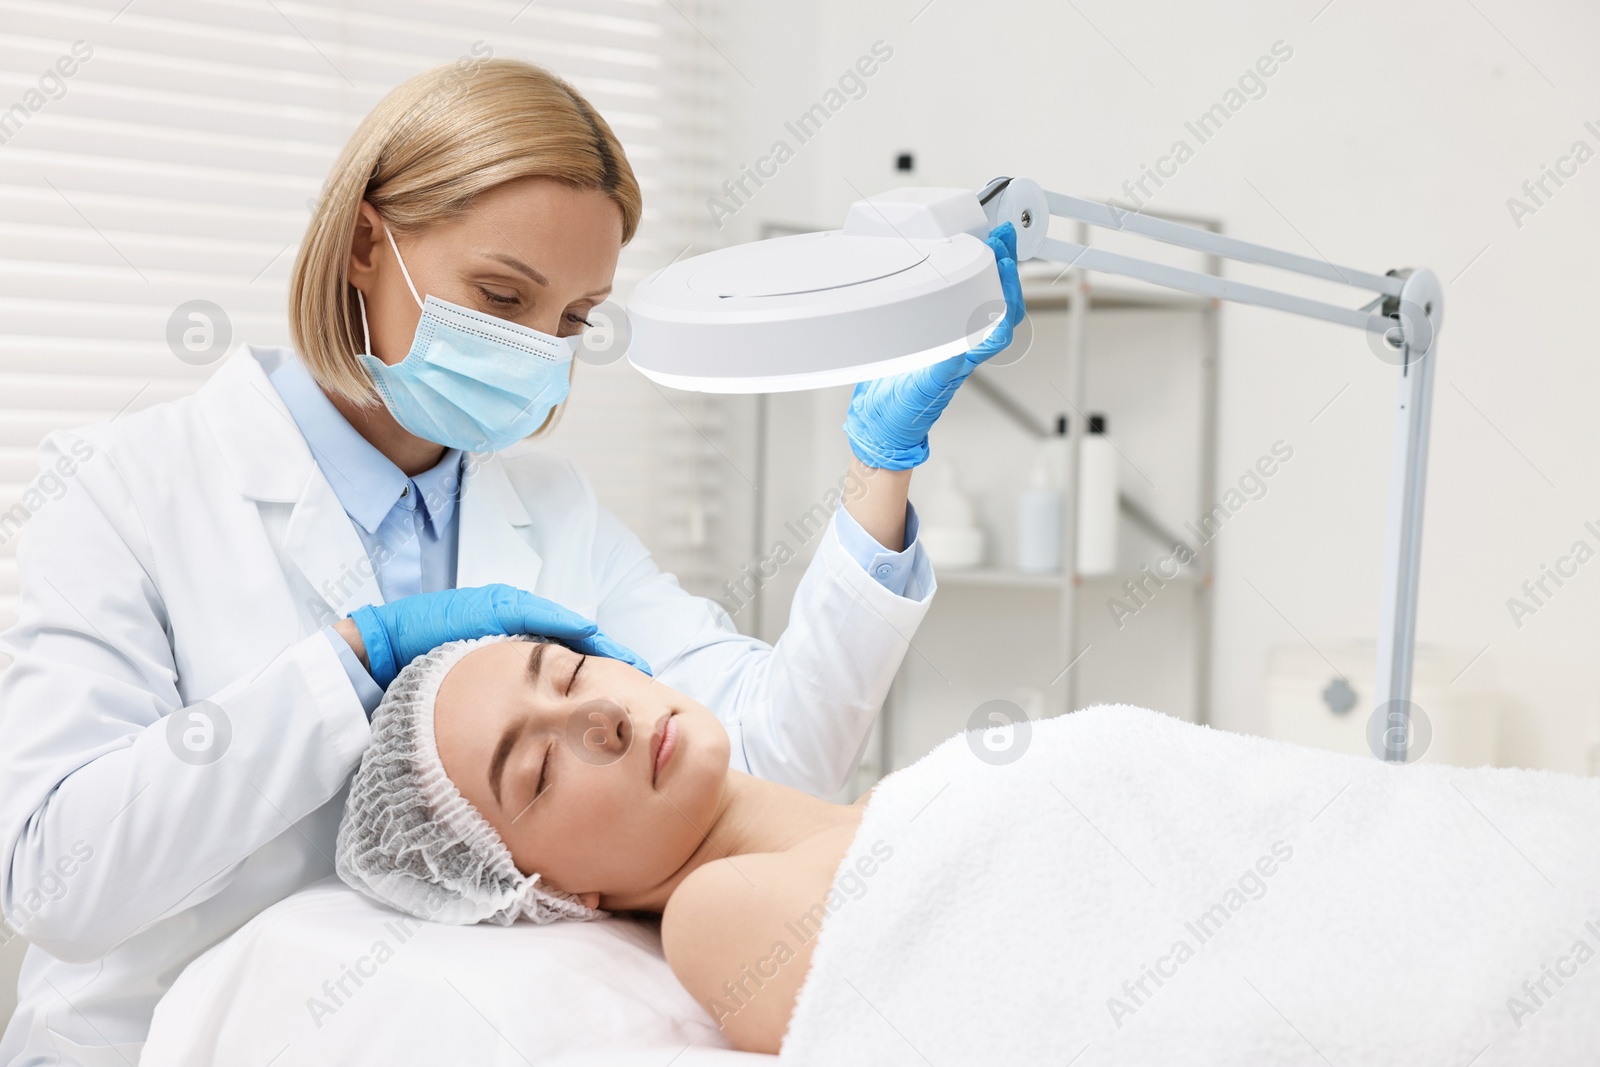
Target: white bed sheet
427,993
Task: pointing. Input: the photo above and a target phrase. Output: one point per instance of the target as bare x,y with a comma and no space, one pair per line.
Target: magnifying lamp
909,281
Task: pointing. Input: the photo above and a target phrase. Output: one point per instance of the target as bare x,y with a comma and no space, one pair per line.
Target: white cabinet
1323,697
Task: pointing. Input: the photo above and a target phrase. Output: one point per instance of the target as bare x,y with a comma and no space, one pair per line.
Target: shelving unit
1049,289
1002,577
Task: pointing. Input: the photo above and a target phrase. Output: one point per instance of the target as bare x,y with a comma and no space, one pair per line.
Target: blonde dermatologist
211,609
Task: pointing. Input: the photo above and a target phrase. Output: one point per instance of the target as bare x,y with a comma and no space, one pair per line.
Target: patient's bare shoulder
738,933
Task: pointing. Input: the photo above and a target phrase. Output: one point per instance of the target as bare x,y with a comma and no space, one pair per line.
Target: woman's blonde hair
430,146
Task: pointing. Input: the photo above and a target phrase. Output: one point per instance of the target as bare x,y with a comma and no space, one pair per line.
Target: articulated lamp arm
1406,314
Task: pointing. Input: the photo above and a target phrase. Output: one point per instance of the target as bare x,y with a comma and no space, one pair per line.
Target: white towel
1138,890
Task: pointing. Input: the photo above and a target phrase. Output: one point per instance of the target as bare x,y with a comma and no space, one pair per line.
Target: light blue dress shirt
891,569
410,527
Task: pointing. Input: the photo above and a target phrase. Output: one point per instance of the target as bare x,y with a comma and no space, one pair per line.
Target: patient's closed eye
542,782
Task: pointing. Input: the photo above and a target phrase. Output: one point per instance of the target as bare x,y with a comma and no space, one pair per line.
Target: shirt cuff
890,569
366,689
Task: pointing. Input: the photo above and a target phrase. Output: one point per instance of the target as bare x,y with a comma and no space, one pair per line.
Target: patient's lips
663,743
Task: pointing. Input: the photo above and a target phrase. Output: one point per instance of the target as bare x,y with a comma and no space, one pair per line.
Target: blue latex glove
889,418
397,633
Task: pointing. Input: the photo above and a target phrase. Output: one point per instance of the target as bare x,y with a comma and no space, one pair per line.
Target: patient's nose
600,732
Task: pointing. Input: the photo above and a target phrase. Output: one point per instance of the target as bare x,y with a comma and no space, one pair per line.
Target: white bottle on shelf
1039,508
1097,500
948,530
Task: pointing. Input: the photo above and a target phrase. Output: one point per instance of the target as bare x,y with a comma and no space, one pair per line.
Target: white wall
1393,136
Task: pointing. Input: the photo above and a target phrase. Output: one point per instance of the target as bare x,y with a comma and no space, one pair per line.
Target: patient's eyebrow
508,740
535,661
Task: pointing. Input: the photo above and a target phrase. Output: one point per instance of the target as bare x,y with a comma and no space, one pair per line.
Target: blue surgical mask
471,381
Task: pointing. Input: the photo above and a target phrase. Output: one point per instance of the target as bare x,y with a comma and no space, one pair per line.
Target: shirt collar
367,483
438,487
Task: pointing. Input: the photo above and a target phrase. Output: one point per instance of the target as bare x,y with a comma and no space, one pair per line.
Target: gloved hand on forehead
397,633
889,418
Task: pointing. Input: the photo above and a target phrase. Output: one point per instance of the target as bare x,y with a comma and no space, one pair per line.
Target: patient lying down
1164,892
565,786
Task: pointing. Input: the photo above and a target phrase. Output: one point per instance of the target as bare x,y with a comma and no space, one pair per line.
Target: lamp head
905,284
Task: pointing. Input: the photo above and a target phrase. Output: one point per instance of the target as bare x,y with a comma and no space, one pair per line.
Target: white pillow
327,976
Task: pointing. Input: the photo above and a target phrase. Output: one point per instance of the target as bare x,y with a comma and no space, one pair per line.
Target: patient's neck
754,815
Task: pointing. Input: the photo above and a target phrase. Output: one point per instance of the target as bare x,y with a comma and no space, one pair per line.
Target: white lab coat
195,555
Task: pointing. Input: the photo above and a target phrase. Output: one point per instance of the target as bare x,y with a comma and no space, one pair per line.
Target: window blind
156,152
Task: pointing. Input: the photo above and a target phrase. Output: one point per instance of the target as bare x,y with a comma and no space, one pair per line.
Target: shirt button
884,570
